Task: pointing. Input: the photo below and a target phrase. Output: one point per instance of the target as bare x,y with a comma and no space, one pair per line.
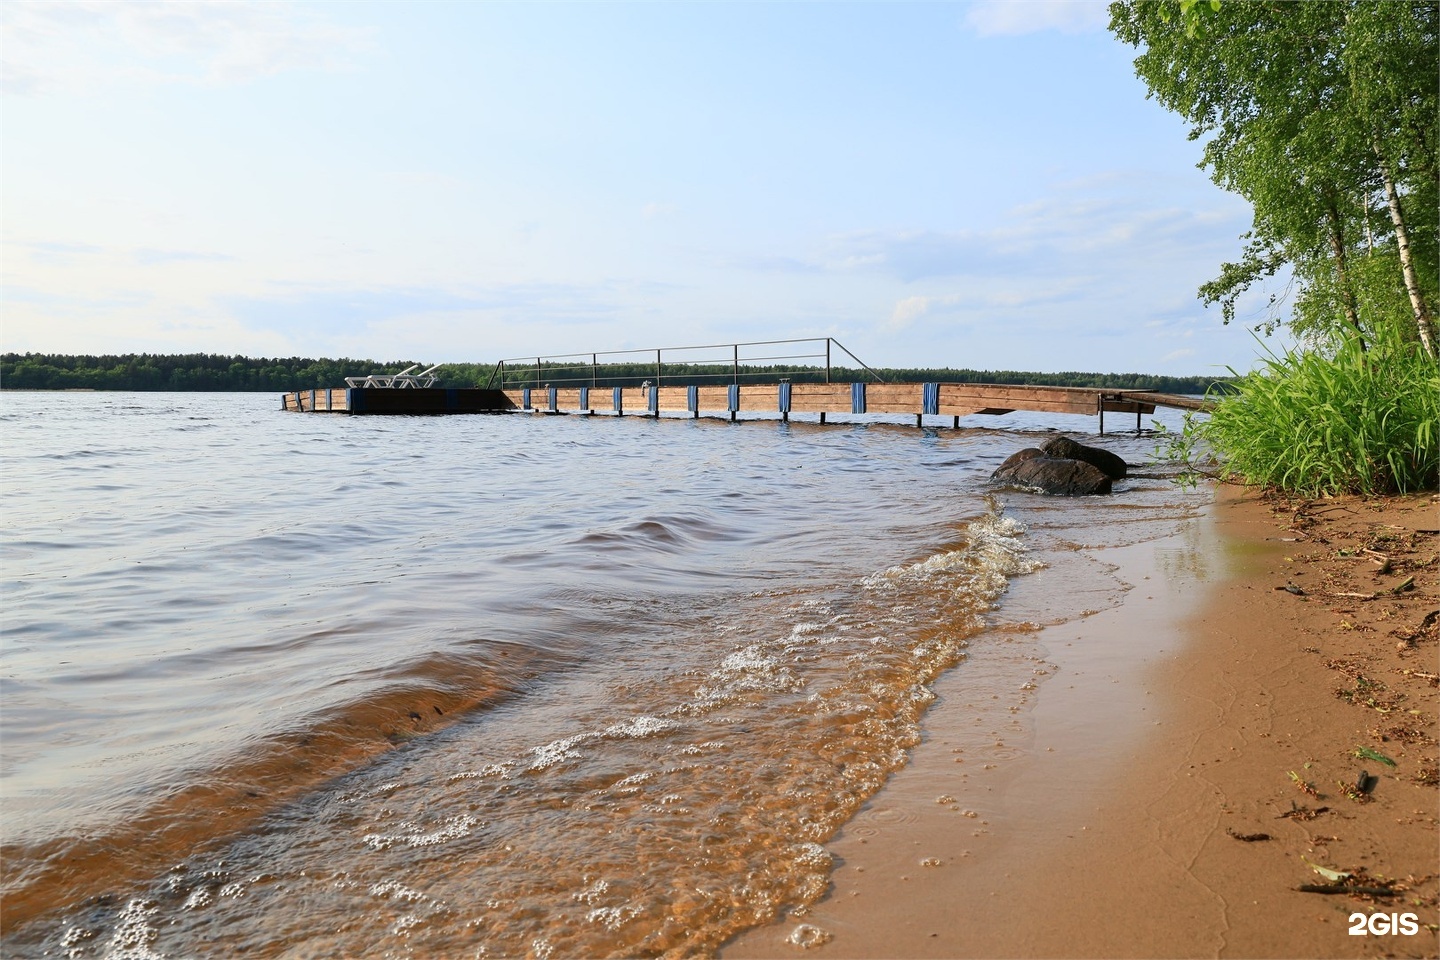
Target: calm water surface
303,685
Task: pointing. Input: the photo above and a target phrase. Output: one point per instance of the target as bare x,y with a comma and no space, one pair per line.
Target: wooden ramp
732,401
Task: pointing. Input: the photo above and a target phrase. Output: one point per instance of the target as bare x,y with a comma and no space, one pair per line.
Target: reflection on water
282,684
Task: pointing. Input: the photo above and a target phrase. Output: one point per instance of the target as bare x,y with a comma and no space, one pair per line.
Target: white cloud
1001,295
1074,232
79,46
991,18
1028,243
907,311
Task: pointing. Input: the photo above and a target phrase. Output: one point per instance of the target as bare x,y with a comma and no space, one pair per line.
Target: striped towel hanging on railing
931,398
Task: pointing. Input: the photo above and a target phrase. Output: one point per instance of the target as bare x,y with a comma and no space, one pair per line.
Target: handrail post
735,347
827,359
657,369
537,373
593,358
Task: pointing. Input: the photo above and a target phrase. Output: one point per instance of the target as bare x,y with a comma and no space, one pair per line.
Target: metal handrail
545,368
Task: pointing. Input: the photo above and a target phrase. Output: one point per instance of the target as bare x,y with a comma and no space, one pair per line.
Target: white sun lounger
403,379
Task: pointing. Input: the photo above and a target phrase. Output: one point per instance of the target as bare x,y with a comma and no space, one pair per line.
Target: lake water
306,685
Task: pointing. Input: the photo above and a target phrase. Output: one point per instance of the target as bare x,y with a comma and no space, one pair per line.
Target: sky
980,185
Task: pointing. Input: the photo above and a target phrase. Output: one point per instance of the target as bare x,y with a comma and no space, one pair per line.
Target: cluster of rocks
1062,466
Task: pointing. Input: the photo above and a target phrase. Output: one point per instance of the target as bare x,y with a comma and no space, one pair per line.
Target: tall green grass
1361,421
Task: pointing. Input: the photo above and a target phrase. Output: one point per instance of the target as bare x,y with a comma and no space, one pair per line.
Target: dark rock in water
1046,469
1063,448
1006,471
1066,478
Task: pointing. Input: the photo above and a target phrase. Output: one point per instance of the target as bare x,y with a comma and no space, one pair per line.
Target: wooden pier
732,401
717,380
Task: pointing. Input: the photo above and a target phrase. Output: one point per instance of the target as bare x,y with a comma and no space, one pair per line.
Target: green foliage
1188,449
1357,421
1307,110
1193,14
1377,289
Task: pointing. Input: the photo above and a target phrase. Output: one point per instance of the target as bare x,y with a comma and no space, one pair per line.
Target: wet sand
1135,798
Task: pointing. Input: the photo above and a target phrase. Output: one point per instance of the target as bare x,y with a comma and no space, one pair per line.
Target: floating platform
385,400
730,401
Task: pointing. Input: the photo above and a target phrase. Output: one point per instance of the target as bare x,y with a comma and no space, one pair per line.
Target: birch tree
1323,116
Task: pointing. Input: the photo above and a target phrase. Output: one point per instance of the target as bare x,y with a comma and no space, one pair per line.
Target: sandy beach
1178,765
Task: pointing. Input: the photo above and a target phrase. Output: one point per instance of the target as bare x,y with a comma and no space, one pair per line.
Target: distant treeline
189,372
216,372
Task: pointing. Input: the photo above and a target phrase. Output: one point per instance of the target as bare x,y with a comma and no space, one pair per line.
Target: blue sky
971,184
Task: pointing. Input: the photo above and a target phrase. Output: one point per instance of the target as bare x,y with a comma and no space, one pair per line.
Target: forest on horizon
200,372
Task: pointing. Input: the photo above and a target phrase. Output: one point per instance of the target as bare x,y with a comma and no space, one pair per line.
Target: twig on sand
1345,888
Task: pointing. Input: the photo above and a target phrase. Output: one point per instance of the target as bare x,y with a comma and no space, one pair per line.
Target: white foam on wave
631,784
699,749
813,855
134,933
501,770
558,751
640,727
748,670
591,893
564,750
612,918
393,889
199,897
418,907
994,552
452,828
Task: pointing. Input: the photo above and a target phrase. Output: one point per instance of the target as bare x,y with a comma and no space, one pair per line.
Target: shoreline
1119,814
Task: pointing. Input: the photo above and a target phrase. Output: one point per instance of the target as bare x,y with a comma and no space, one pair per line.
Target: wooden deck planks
332,400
